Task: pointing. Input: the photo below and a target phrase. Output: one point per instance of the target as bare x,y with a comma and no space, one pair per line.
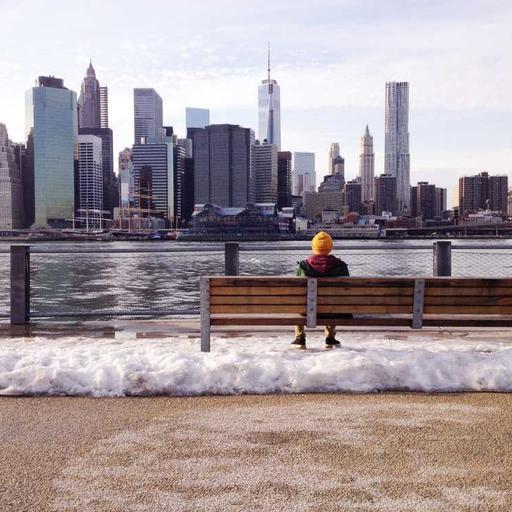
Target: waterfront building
269,110
11,192
284,179
52,130
223,165
353,191
90,181
89,100
510,202
316,202
441,201
253,219
126,179
367,166
154,180
423,200
265,172
110,186
197,117
396,157
159,176
148,116
482,192
385,194
103,106
304,175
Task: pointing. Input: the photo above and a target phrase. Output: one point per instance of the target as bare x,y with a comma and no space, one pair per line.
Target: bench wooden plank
458,300
431,291
364,300
258,299
258,290
366,291
268,281
366,309
468,310
258,309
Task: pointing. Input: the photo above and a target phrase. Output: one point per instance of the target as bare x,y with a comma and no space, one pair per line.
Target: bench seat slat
468,310
258,308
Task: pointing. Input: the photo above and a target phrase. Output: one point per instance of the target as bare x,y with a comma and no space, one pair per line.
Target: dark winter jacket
322,266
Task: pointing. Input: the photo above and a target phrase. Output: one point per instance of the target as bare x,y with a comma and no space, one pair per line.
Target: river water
78,283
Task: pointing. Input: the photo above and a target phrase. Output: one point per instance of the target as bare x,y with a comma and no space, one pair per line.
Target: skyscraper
90,181
223,165
103,106
423,200
334,153
284,179
148,116
93,120
367,166
126,179
482,192
90,100
265,172
269,110
197,117
353,193
304,175
52,129
11,193
397,158
385,194
110,191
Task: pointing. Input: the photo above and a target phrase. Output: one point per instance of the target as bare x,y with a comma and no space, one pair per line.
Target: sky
331,58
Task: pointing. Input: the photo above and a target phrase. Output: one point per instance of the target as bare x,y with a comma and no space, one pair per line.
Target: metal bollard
442,259
20,284
231,259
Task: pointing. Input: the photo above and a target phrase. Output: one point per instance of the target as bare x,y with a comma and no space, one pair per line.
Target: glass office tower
52,129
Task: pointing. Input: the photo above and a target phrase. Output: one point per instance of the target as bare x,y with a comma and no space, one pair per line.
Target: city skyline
331,85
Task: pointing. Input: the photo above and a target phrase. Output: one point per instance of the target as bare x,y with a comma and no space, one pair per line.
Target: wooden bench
373,301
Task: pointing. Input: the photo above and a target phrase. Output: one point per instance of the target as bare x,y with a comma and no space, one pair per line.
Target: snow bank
258,364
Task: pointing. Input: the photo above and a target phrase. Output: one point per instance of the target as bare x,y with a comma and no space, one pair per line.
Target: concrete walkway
391,452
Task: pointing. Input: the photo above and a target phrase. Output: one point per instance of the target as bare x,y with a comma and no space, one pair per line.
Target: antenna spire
268,67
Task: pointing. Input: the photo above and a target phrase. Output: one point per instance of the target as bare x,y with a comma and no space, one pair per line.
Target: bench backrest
360,295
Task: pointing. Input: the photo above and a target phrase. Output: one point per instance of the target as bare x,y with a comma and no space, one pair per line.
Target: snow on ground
367,362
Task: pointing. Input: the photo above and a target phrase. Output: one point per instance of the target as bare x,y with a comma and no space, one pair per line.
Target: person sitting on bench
321,264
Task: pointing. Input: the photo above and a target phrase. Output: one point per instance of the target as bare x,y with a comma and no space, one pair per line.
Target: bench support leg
419,297
204,285
311,304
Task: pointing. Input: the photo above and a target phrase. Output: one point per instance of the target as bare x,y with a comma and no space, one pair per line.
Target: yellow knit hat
322,243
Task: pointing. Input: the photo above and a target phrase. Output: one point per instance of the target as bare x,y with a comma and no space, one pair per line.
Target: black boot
299,342
332,342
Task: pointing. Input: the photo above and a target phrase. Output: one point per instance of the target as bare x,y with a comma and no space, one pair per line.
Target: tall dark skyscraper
223,165
93,120
284,179
148,116
89,100
385,194
483,192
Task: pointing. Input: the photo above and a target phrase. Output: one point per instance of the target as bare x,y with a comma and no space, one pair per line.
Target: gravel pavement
396,452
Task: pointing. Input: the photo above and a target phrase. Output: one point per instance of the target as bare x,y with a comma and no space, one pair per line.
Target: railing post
20,284
231,259
442,259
